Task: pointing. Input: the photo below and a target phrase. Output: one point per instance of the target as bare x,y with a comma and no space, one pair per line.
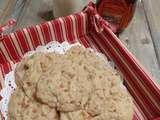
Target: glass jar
67,7
117,12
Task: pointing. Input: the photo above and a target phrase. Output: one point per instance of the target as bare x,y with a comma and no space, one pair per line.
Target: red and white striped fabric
91,30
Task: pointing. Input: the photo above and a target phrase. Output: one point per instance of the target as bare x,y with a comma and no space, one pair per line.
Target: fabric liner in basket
88,28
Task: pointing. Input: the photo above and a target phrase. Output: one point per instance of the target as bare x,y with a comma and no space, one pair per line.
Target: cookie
112,103
36,111
63,87
15,105
100,107
22,108
76,115
67,88
29,71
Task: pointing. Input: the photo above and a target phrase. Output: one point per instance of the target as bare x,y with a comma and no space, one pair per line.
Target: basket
88,28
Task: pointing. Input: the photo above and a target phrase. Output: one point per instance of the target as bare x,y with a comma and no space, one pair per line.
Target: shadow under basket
90,30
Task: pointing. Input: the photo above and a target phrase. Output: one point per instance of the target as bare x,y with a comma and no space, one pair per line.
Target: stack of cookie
73,86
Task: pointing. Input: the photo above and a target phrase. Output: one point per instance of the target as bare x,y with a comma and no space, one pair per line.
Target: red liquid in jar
117,12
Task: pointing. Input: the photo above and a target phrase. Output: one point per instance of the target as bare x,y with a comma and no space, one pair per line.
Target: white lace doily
10,77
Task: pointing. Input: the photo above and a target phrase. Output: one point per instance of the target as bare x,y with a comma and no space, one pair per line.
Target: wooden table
142,37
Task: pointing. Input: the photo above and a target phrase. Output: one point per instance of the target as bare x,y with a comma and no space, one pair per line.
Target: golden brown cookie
36,111
15,105
76,115
66,88
110,103
100,107
30,69
22,108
